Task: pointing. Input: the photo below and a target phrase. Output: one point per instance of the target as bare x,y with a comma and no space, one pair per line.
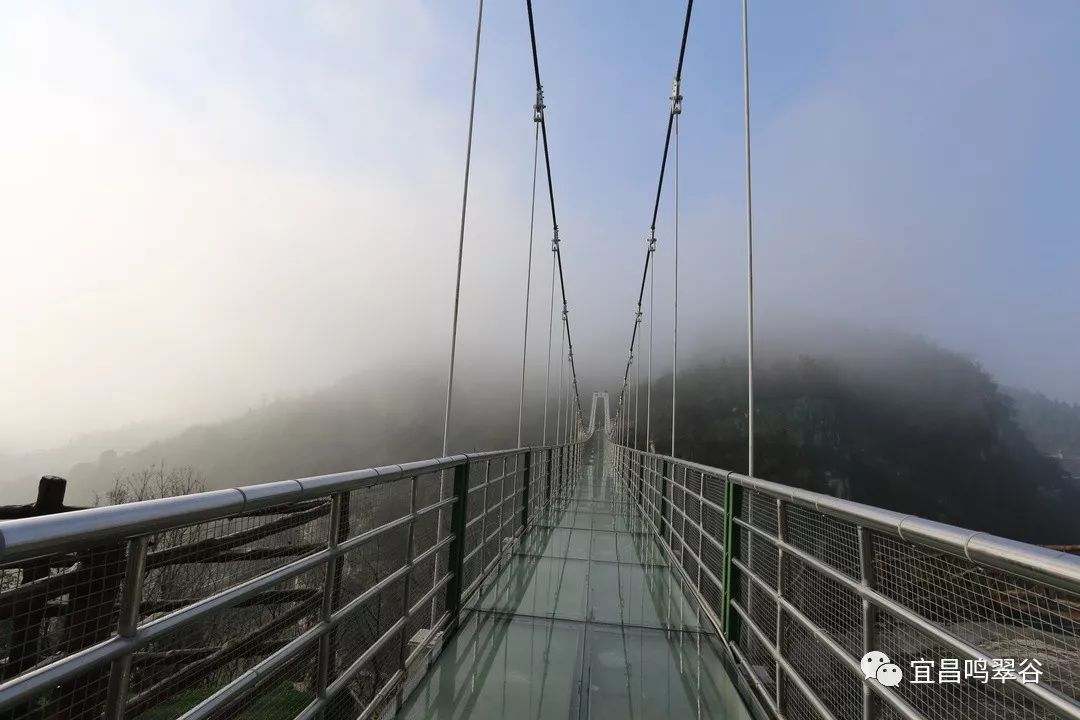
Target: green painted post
663,500
732,507
458,517
525,482
558,471
641,483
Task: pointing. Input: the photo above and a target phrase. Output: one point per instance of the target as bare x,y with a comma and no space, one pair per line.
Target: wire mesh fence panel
831,540
755,650
833,608
80,697
1003,615
57,605
191,562
827,676
283,692
359,634
965,698
177,671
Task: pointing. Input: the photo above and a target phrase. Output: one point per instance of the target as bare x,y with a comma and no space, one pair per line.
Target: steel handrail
26,538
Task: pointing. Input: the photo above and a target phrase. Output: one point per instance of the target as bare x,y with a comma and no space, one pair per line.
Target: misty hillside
901,424
1053,426
19,471
352,424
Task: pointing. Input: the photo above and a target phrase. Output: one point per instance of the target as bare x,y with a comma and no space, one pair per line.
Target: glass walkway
585,620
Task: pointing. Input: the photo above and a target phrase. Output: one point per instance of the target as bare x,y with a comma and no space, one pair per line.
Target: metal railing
328,596
320,597
801,586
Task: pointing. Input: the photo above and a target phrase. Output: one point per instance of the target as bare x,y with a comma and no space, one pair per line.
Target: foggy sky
205,204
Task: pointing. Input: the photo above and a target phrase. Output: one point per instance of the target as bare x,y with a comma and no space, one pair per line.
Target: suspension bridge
583,576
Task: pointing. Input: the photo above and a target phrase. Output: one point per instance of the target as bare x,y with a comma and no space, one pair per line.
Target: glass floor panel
562,542
498,667
635,673
604,547
539,586
624,594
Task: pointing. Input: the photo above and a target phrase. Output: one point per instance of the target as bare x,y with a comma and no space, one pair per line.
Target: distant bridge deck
586,619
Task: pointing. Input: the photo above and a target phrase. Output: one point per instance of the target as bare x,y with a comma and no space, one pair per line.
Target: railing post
525,483
663,500
458,518
483,518
651,487
781,589
573,464
555,455
640,484
331,593
562,471
569,467
871,704
572,469
700,528
682,514
502,513
549,473
404,651
126,626
565,475
732,507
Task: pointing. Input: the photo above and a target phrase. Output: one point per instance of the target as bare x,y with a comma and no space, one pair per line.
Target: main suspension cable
674,112
551,198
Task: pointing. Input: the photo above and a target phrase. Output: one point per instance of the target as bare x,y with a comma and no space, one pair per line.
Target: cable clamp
676,97
555,240
652,240
538,108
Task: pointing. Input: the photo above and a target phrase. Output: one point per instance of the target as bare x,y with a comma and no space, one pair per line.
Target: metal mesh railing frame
800,585
325,596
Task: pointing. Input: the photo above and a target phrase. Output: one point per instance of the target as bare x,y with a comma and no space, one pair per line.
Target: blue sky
241,201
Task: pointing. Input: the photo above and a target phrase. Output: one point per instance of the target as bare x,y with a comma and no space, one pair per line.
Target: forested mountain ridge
910,427
885,420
